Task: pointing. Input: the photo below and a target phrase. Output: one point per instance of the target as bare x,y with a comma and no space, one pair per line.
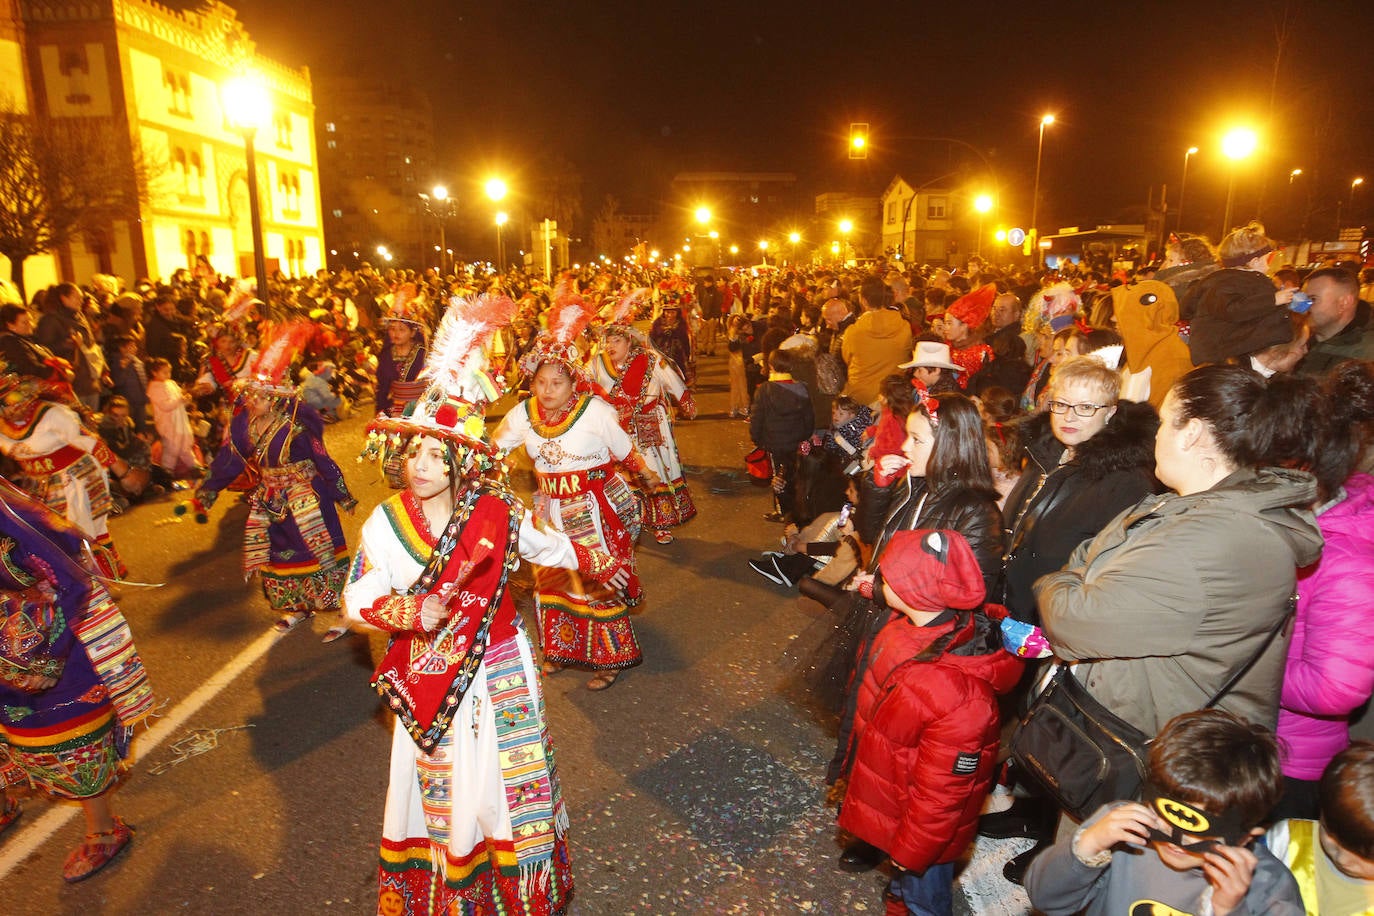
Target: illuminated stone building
158,74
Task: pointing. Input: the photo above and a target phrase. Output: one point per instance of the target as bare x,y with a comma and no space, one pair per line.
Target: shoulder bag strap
1240,672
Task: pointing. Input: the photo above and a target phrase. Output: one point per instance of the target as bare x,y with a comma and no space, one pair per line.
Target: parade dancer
640,384
62,464
579,450
72,686
671,334
402,356
293,537
474,820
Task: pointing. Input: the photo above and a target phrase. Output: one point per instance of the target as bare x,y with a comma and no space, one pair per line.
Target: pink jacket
1330,668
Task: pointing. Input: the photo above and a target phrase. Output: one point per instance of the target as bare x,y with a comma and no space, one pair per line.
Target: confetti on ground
199,741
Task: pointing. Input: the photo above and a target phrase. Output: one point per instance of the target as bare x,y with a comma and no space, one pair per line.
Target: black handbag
1084,755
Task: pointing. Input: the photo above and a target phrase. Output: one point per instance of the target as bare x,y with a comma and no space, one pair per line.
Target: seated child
316,392
848,421
922,749
1212,777
1333,859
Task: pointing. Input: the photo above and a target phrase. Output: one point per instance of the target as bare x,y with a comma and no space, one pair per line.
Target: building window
195,175
338,214
178,87
205,244
935,208
179,169
891,212
282,124
329,127
332,144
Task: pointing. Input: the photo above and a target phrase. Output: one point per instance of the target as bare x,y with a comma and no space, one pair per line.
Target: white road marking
29,839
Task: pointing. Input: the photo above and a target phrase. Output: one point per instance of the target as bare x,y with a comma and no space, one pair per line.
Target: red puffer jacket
925,738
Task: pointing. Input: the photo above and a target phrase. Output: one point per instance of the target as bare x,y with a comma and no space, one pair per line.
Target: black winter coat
1109,473
781,416
968,510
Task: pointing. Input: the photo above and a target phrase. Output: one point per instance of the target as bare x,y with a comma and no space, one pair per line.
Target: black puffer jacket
968,510
781,416
1110,472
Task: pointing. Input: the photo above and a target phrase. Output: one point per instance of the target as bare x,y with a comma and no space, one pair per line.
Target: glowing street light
248,106
713,234
1238,143
1046,121
496,190
846,226
1293,174
703,215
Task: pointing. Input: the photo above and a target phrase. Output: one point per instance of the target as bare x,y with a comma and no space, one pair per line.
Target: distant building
157,74
376,143
832,209
616,234
745,207
918,224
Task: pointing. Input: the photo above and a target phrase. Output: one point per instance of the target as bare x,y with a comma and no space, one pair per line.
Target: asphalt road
693,784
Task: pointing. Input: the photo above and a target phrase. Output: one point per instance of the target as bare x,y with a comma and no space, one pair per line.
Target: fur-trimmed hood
1125,443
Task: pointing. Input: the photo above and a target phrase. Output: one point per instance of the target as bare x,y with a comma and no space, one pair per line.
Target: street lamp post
846,226
1046,121
983,204
501,219
794,238
1183,184
246,103
1237,144
763,247
441,196
1350,204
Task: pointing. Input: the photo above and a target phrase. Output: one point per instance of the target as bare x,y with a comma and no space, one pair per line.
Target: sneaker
772,516
768,568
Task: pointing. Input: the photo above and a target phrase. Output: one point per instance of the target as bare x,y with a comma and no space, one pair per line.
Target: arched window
195,176
190,244
204,244
179,166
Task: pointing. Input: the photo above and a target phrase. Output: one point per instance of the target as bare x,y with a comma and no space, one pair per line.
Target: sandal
292,619
11,813
96,851
549,668
602,680
663,537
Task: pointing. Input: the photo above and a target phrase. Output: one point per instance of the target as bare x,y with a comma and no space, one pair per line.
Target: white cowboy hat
930,354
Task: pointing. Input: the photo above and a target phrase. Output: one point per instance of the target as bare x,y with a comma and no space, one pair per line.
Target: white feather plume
458,359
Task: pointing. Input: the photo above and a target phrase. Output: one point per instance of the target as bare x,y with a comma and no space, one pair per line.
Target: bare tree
62,179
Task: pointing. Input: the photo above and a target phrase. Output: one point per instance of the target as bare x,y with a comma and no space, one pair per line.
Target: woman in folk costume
474,818
62,464
579,451
964,331
670,332
403,354
639,384
72,686
293,537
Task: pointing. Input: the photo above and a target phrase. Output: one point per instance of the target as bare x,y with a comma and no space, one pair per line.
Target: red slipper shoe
96,851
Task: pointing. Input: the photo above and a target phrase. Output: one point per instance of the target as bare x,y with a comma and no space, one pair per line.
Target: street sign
1016,236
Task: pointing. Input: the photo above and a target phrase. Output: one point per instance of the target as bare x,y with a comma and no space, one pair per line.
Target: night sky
633,92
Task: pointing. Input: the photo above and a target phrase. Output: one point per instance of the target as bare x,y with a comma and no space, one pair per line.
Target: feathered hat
675,293
461,385
238,304
625,311
270,373
405,306
568,317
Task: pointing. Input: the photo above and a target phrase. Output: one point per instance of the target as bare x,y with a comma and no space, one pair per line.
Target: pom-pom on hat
933,570
973,308
1051,310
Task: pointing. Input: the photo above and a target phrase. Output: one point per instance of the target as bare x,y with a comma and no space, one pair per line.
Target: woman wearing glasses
1090,456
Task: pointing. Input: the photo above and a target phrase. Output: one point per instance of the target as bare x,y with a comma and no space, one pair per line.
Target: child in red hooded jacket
924,746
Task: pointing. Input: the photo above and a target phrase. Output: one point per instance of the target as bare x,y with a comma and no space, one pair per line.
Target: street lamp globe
440,192
983,203
1047,120
763,245
246,101
496,189
703,215
1239,142
714,234
846,226
502,217
794,237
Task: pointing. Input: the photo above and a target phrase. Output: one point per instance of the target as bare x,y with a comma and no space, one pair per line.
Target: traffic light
858,140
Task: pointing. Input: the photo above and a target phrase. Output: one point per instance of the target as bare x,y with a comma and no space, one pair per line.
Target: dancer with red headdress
293,537
474,821
579,451
642,386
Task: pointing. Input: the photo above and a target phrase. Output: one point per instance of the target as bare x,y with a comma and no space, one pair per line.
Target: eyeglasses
1082,410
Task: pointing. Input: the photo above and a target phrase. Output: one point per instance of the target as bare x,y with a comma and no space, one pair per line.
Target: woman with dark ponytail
1330,670
1177,593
